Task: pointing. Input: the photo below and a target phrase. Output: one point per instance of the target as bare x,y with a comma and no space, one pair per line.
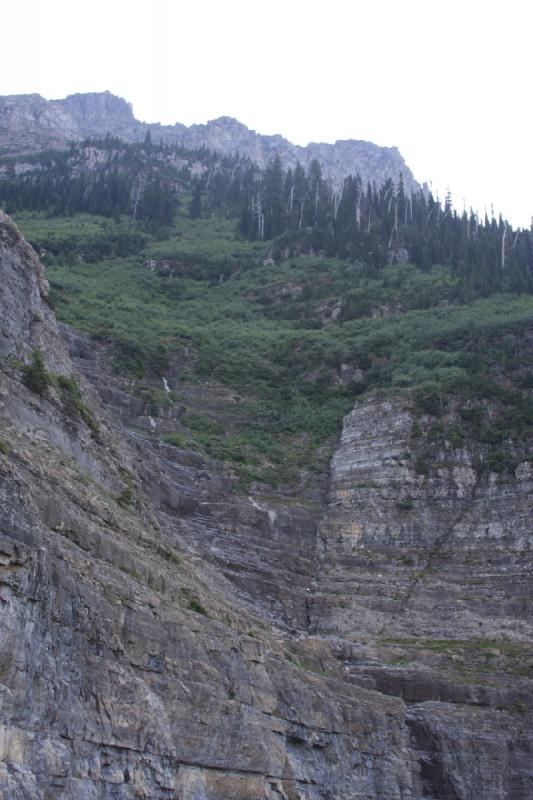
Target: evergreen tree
195,210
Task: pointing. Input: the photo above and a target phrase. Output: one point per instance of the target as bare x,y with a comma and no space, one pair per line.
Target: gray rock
204,645
28,123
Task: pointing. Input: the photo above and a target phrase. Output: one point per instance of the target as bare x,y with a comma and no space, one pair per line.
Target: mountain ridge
29,123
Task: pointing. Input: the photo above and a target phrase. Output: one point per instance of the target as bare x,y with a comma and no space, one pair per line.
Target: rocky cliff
163,635
29,123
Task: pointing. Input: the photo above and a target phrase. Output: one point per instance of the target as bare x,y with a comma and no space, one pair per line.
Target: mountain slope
28,123
130,667
175,622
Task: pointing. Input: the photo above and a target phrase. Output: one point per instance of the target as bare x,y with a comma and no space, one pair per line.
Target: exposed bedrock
29,123
445,553
164,636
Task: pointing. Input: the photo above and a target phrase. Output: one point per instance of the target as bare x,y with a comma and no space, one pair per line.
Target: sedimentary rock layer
164,636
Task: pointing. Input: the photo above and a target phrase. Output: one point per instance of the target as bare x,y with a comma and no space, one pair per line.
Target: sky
448,83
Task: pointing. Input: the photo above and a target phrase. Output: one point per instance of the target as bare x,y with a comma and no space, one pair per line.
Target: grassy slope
277,335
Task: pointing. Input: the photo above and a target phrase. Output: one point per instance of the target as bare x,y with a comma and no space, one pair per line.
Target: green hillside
294,342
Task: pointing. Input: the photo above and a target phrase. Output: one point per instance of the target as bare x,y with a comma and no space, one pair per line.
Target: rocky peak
225,123
28,123
13,107
97,113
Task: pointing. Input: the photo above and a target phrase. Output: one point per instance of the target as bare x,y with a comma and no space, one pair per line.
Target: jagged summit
29,123
225,120
98,107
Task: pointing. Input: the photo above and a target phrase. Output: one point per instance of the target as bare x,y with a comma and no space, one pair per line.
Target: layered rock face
425,578
129,666
163,636
27,321
28,123
404,543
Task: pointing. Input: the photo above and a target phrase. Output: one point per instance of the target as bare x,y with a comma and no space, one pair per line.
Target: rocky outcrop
28,123
163,635
424,579
27,321
130,665
405,540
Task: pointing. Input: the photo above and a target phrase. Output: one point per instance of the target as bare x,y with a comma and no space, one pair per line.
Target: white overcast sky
448,83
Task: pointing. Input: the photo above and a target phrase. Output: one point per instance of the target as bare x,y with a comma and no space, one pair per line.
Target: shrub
409,561
36,376
195,605
499,461
126,498
219,314
406,504
173,557
455,436
3,448
177,439
429,399
70,395
74,406
91,423
422,466
472,415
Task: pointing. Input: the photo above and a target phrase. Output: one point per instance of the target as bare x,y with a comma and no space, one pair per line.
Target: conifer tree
195,210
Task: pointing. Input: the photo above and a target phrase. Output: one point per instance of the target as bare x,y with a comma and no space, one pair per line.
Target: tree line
108,178
382,225
296,209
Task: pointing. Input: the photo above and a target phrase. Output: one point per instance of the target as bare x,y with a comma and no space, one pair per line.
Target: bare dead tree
137,198
504,236
291,198
302,206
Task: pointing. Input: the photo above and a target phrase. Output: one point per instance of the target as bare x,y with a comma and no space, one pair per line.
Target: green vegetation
195,605
84,237
406,504
472,661
64,183
4,449
267,288
73,405
479,645
172,557
39,380
297,211
267,332
178,439
36,377
422,465
513,708
126,498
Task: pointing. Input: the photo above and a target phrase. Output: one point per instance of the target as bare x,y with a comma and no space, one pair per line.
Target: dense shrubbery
297,211
299,338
